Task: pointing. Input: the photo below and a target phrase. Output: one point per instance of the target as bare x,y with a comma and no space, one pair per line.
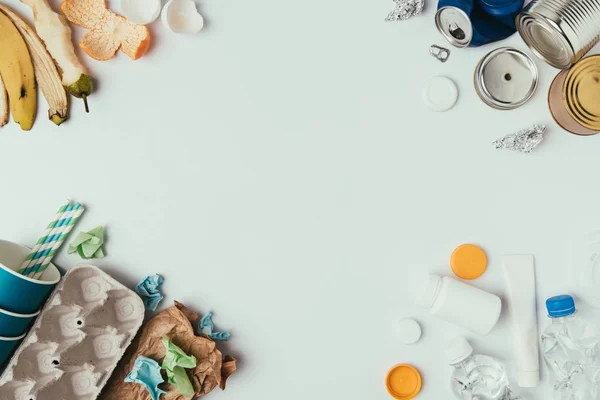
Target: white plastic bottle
459,303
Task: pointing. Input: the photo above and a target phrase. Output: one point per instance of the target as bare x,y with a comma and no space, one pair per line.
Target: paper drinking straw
54,235
41,240
57,245
42,243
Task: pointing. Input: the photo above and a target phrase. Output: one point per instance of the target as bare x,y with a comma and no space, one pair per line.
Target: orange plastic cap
468,261
403,382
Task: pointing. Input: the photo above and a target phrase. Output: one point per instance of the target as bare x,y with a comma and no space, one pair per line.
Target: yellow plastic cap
403,382
468,261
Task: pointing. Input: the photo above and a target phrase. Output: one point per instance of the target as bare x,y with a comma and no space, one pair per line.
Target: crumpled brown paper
177,324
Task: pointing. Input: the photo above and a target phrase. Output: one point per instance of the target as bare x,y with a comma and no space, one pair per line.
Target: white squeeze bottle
476,376
571,350
459,303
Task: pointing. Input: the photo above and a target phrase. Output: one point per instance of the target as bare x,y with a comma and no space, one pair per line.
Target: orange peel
108,33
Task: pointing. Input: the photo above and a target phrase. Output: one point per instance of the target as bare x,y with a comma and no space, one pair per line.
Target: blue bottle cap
560,306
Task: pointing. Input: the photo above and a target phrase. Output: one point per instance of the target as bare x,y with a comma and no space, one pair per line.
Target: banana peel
46,71
16,69
3,104
55,32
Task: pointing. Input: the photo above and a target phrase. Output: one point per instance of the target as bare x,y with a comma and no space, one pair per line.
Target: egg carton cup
77,341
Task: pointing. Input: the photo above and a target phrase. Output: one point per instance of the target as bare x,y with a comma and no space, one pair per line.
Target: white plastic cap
458,350
440,93
427,290
528,379
409,331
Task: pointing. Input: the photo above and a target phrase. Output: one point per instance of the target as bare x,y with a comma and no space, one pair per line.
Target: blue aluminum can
477,22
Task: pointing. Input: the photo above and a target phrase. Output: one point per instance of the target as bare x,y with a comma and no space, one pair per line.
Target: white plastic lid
427,291
440,93
528,379
458,350
409,331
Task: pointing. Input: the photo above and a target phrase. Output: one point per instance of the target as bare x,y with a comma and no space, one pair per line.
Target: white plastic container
459,303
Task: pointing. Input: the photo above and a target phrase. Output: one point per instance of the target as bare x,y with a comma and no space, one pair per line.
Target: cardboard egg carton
77,340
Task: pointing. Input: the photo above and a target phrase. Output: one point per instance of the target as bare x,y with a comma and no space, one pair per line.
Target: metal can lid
581,92
559,112
506,78
455,25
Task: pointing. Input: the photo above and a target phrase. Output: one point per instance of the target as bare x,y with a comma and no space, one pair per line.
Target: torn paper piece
174,363
207,327
147,372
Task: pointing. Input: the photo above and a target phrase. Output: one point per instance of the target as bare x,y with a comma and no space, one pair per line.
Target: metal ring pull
439,52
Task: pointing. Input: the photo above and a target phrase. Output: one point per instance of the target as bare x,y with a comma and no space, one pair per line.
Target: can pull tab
456,31
439,52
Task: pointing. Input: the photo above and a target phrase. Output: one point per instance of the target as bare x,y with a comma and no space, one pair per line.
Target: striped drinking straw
48,245
66,231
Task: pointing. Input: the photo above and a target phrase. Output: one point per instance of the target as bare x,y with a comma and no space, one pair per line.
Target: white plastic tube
519,274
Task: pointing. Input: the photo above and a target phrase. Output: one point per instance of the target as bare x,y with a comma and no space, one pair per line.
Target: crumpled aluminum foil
404,9
524,141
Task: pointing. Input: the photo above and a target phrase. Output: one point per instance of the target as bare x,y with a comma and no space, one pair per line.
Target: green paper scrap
174,363
89,244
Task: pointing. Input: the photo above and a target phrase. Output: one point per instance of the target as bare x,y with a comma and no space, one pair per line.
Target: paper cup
18,293
14,324
8,345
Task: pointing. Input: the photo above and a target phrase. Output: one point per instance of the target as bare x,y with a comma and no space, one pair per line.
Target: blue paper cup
8,345
14,324
18,293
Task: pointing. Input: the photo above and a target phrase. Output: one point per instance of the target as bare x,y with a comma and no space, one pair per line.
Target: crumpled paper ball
177,323
148,290
89,244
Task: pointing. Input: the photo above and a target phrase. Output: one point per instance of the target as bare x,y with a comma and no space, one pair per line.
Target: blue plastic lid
560,306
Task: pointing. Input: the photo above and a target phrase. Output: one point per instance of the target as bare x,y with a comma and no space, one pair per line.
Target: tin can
476,22
581,92
558,109
560,32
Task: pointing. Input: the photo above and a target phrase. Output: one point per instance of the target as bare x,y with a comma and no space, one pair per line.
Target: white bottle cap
427,290
458,350
409,331
440,93
528,379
